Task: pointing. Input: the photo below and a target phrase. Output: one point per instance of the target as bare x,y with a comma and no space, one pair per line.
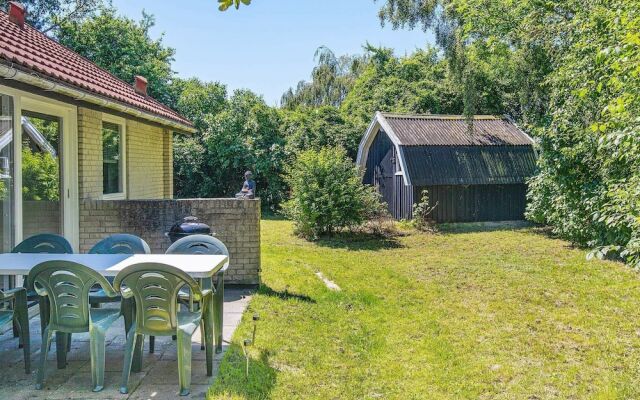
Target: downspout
12,73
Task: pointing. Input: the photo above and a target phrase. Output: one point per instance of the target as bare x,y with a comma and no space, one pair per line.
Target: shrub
422,210
327,194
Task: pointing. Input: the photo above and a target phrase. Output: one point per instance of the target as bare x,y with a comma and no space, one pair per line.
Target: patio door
42,174
38,167
48,166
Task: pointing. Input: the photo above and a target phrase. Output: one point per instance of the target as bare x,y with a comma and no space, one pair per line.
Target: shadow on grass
232,381
359,241
471,227
284,295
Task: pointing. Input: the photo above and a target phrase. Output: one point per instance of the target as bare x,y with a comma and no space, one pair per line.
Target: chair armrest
11,293
206,293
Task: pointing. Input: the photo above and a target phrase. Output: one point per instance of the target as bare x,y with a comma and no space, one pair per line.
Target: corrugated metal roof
453,130
469,165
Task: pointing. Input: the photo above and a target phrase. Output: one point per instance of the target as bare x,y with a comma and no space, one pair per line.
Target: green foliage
422,210
239,134
39,176
327,193
307,128
225,4
590,181
197,100
331,80
123,47
419,83
44,15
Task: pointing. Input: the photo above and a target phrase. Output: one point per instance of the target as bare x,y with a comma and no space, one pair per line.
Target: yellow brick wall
149,154
145,161
89,153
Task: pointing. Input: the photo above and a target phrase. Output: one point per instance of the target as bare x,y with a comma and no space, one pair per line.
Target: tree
241,134
307,128
331,80
197,100
419,83
225,4
123,47
499,45
589,184
45,15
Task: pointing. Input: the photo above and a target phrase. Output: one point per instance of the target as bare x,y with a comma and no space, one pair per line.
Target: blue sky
268,46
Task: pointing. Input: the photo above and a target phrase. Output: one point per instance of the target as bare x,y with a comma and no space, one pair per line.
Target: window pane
111,158
41,205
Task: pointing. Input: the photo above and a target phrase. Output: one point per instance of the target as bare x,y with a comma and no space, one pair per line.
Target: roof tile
32,50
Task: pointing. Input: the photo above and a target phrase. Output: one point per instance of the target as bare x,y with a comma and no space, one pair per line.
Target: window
112,159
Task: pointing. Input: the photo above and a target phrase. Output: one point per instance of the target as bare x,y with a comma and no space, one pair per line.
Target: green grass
500,314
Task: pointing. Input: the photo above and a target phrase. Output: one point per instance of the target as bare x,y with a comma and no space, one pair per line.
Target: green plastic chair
18,314
49,243
117,244
44,243
66,285
155,288
121,244
204,244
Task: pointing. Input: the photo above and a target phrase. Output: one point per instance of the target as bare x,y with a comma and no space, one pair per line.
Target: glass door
38,168
42,205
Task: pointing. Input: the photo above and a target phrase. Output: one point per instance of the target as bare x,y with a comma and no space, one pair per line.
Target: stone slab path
158,379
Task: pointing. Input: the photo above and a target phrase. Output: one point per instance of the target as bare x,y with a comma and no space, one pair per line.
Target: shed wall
380,170
404,196
476,203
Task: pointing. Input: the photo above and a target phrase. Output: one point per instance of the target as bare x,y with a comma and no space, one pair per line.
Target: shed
473,171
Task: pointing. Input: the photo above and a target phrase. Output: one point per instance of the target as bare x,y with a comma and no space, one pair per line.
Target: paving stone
168,392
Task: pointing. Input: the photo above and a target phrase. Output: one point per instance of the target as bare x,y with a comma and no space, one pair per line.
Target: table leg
218,304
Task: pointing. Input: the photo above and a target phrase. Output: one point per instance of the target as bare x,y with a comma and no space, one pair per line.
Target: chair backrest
67,285
199,244
121,244
155,288
44,243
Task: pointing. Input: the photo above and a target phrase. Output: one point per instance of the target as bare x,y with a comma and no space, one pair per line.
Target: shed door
384,178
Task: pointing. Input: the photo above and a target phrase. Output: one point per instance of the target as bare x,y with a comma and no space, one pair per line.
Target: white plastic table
197,266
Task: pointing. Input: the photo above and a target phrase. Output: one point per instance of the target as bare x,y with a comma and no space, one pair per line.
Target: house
85,155
473,171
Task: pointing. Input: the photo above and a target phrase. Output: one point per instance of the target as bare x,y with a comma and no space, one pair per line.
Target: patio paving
158,379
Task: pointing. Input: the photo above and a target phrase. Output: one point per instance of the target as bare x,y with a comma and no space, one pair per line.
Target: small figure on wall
248,187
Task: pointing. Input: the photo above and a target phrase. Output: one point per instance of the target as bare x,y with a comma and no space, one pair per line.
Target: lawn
503,314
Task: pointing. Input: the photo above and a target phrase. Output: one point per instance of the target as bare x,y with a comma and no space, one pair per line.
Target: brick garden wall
235,222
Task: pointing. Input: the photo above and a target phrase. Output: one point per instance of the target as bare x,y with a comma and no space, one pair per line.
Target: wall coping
257,200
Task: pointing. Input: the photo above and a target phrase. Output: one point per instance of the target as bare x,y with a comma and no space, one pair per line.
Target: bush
327,194
422,210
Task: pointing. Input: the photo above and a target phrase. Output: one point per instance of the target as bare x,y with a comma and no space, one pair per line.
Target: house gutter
12,73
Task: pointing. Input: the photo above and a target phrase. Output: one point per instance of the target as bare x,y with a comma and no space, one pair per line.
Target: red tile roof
32,50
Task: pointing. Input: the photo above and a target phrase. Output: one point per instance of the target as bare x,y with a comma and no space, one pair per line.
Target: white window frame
122,123
69,116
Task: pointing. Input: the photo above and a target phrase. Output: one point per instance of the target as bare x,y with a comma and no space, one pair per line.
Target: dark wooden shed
474,172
